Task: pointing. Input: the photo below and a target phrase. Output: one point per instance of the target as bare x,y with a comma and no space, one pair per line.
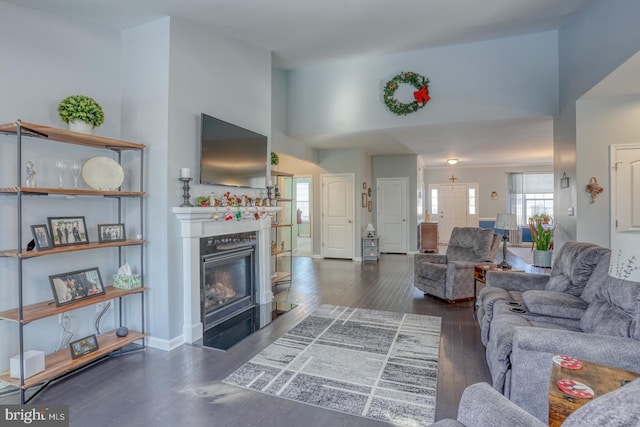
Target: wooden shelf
43,191
45,309
280,276
283,200
280,251
63,249
280,225
62,135
280,173
60,362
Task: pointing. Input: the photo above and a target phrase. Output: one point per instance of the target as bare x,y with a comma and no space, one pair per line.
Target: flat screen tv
231,155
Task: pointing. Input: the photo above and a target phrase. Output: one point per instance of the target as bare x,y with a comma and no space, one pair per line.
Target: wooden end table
602,379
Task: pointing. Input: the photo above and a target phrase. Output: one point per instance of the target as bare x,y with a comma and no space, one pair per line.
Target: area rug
375,364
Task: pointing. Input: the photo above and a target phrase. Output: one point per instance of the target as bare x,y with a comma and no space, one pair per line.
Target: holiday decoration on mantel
421,95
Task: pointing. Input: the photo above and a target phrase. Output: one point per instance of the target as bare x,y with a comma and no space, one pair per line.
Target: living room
154,79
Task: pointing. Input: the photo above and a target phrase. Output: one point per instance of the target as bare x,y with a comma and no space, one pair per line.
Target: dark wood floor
182,387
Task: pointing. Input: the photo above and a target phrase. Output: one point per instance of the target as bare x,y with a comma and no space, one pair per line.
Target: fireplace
227,276
201,223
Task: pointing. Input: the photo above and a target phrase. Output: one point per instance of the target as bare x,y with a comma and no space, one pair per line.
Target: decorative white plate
102,174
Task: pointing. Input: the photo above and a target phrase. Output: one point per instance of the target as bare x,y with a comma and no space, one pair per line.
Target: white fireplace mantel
196,223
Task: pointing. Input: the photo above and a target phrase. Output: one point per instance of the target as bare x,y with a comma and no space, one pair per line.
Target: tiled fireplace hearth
197,223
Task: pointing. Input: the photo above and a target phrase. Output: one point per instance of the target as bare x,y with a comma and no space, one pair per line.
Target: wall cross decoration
453,179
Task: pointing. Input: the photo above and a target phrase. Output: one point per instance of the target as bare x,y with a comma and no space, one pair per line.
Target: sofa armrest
533,349
432,258
516,281
482,406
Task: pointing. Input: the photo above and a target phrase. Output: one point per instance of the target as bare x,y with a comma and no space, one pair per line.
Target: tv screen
231,155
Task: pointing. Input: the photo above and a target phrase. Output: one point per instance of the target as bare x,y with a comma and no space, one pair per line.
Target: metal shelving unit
60,363
282,230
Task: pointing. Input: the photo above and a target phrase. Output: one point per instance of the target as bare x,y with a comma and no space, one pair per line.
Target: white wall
198,72
591,45
600,123
497,79
38,70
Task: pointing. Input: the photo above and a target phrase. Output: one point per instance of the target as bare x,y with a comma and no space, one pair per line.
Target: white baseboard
166,345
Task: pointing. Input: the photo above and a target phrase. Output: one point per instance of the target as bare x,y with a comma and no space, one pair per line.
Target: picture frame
364,185
364,200
564,180
76,286
68,230
111,233
370,206
41,236
83,346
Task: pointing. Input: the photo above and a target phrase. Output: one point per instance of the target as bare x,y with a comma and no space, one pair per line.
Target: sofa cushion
605,318
556,304
469,244
573,267
597,278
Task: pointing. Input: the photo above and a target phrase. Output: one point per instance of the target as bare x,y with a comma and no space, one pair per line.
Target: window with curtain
529,194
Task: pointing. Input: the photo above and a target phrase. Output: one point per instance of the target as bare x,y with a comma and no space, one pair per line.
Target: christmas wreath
421,96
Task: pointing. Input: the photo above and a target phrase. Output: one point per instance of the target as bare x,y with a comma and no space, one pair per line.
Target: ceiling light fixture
452,161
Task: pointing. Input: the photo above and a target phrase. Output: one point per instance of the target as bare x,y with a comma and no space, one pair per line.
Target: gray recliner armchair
450,276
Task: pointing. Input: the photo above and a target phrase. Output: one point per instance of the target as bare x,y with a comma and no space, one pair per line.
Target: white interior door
337,216
392,209
625,183
452,204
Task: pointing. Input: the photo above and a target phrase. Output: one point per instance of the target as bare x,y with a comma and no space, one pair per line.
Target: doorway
454,205
302,225
392,209
337,216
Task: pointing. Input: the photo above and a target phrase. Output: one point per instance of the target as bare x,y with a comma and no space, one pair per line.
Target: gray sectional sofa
578,310
482,406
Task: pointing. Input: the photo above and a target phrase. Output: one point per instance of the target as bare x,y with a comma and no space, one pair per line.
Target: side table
600,378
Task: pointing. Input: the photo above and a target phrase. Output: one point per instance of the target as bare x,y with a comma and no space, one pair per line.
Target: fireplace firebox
228,275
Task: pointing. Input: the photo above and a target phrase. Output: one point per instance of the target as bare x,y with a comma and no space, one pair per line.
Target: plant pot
542,258
80,126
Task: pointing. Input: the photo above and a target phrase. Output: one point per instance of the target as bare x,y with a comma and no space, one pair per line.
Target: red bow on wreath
422,95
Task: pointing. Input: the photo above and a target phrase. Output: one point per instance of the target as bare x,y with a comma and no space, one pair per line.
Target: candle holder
185,192
269,192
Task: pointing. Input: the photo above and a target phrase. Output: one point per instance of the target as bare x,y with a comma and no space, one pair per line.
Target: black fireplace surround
227,276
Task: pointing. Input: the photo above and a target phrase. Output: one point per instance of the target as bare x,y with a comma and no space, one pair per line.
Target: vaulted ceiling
303,33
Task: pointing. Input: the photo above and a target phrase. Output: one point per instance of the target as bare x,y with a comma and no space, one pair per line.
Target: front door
392,209
337,216
456,207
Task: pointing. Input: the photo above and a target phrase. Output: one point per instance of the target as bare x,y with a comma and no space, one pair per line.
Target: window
472,201
538,203
302,199
434,201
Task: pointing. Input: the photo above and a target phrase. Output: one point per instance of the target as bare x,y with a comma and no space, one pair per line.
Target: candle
185,173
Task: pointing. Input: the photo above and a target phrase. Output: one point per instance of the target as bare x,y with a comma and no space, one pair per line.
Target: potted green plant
82,113
542,252
275,159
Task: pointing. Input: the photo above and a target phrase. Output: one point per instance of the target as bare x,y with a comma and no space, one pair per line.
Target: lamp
452,161
505,221
371,232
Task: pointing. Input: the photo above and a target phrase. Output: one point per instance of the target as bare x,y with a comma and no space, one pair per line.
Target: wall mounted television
231,155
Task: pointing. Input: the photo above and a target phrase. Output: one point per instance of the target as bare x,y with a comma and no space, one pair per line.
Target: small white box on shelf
33,363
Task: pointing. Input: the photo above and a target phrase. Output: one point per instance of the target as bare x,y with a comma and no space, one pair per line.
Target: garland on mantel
421,96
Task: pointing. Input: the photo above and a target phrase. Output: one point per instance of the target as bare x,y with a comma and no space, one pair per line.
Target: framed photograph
364,200
83,346
76,286
370,206
41,236
67,231
110,233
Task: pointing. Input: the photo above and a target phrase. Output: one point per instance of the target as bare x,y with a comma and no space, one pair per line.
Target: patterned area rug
374,364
